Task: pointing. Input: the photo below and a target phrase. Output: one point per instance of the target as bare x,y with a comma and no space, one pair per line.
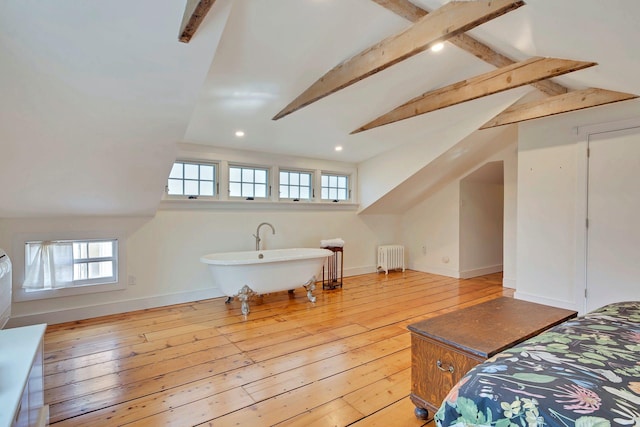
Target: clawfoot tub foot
245,293
310,286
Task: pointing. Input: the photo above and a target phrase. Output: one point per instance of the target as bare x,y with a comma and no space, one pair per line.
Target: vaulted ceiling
97,94
334,70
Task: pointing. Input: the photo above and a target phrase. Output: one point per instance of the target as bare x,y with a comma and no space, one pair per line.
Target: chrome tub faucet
257,235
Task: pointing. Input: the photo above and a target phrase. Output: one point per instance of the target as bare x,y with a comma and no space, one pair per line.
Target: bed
584,372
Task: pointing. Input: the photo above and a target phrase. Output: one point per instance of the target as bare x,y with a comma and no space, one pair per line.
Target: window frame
19,273
337,175
312,189
254,168
215,181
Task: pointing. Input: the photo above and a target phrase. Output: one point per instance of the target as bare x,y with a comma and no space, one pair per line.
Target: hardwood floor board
329,349
399,413
160,414
415,308
219,375
310,341
381,394
69,360
397,299
80,347
56,394
316,371
344,360
287,405
334,413
137,361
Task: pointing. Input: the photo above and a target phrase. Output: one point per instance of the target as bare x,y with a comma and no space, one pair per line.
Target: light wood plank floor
343,361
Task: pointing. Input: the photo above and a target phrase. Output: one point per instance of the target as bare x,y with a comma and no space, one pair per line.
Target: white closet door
613,235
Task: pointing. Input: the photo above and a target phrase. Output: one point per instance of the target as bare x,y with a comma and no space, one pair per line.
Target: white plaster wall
173,242
549,196
431,232
481,228
510,230
163,252
435,225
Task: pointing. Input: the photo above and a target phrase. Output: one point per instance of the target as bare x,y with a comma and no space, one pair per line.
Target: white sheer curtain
49,265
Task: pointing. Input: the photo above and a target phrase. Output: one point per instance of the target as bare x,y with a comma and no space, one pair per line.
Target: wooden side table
445,348
335,268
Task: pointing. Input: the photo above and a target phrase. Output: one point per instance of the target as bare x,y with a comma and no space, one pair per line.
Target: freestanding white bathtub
244,274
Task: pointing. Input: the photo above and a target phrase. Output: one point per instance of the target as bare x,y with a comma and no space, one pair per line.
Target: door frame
584,134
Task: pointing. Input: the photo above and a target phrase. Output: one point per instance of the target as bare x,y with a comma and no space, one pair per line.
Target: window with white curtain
57,264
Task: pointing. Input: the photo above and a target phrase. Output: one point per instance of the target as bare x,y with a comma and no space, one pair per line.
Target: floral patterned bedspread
584,373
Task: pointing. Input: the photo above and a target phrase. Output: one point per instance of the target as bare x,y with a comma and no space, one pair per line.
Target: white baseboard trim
468,274
569,305
356,271
509,283
441,271
69,315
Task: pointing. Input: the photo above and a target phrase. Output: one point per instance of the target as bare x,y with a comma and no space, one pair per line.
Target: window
334,187
295,185
192,179
68,263
248,182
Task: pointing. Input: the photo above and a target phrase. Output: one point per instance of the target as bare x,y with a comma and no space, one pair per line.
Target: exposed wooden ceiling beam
451,19
413,13
509,77
572,101
194,13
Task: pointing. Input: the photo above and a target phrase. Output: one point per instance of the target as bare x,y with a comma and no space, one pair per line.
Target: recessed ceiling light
338,147
437,47
239,133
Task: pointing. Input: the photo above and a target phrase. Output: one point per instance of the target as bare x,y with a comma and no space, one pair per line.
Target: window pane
333,193
324,180
175,186
261,190
100,249
100,269
206,188
80,250
235,190
342,194
342,181
261,176
295,179
191,171
333,181
325,193
206,172
304,193
80,272
176,171
284,177
235,174
247,190
191,188
295,192
284,191
305,179
247,175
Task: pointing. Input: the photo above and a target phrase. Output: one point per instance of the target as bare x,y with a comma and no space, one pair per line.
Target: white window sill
203,204
21,295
